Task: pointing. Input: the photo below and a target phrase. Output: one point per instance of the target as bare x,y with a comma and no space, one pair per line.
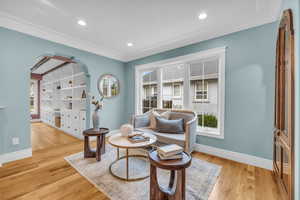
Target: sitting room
158,100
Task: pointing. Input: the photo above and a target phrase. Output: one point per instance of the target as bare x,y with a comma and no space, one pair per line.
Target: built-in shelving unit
63,102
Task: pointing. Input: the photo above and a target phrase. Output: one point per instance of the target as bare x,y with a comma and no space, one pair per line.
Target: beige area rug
201,176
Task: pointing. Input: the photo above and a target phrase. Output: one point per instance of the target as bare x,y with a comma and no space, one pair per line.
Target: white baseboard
17,155
235,156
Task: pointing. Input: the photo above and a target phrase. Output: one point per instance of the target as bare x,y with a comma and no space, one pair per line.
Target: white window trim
220,52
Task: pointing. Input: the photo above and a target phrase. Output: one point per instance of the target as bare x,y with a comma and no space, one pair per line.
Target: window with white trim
195,82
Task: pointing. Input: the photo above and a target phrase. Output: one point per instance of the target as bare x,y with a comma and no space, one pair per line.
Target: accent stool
100,149
178,166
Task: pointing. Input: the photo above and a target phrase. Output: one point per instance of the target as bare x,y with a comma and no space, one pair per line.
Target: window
172,80
204,76
149,85
194,82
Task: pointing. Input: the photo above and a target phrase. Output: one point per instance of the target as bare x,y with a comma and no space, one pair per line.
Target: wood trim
47,58
36,76
284,107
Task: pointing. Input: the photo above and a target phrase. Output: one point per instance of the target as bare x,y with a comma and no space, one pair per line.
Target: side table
100,149
178,166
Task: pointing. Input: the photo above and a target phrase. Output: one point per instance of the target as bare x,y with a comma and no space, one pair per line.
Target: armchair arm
190,135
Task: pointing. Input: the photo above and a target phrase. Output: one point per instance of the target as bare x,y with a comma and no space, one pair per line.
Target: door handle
276,131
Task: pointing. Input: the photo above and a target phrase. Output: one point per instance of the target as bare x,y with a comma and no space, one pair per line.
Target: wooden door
284,107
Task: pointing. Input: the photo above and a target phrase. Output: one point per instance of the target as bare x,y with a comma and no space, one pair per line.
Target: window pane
204,92
149,97
172,86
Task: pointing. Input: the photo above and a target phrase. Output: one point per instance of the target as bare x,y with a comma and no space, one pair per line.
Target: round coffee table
120,141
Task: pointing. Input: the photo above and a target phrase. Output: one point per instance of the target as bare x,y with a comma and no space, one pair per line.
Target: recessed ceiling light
202,16
81,23
129,44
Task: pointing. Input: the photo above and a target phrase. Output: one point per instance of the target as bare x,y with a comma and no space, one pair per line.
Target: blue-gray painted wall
249,98
18,52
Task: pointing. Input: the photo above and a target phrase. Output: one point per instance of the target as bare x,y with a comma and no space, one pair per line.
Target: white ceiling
151,25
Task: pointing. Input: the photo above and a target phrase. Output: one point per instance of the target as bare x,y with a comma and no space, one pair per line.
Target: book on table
173,157
169,150
137,137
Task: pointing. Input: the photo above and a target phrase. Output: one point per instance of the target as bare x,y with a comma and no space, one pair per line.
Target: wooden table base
173,192
100,149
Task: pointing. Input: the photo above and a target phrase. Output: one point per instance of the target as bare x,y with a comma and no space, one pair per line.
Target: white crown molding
17,24
235,156
184,40
12,22
17,155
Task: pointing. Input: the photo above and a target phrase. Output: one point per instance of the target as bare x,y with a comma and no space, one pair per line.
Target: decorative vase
126,130
96,119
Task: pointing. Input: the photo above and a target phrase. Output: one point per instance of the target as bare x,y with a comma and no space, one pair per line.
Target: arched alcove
63,93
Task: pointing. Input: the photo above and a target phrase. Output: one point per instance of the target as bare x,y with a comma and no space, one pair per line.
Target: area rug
201,176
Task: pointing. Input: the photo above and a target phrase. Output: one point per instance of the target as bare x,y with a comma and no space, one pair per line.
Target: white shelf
75,87
2,107
65,78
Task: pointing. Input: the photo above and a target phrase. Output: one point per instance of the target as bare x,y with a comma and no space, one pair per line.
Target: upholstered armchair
187,139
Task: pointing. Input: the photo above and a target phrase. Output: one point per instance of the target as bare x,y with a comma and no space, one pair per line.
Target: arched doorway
59,100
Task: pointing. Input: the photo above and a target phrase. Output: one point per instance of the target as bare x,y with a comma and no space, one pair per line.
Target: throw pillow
169,126
155,114
142,121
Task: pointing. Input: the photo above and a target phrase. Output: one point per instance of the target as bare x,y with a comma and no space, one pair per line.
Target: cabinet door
68,121
82,120
63,120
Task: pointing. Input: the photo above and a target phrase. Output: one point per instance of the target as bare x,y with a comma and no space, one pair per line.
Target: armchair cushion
167,138
169,126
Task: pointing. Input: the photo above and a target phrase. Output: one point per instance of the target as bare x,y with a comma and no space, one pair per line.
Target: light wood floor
48,176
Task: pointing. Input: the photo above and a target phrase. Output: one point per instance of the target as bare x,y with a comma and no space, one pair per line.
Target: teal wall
295,6
249,98
18,52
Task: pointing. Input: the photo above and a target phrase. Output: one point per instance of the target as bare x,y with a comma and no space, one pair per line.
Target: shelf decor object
96,119
283,142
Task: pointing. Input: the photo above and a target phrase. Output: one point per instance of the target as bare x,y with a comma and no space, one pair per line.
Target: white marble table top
120,141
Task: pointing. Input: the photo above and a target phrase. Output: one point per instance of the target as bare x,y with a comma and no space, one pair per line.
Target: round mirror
108,86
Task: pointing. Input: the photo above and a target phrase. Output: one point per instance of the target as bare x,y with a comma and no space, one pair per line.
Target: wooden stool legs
100,149
170,193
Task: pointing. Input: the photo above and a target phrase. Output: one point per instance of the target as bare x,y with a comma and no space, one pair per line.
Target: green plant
208,121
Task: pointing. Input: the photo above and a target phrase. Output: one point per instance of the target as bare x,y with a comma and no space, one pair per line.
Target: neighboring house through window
201,90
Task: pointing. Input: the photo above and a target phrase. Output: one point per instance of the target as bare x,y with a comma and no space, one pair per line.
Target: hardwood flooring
46,175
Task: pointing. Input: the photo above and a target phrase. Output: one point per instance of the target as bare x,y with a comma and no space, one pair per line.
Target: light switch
15,141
